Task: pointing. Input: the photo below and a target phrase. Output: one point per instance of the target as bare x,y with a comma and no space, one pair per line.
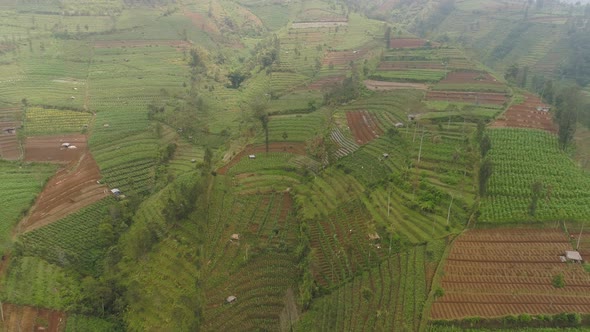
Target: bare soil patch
290,147
72,188
202,22
499,272
9,146
386,86
527,115
469,77
363,126
325,82
468,97
25,318
49,148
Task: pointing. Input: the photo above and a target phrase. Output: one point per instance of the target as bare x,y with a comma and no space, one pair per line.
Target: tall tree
485,172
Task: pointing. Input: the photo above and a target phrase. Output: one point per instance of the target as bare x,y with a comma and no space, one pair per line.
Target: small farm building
72,147
385,155
573,256
235,237
399,125
65,145
252,156
9,130
231,299
543,108
411,117
116,191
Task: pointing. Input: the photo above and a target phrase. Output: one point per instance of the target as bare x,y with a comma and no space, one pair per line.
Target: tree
236,78
388,37
567,103
485,145
485,172
536,189
259,109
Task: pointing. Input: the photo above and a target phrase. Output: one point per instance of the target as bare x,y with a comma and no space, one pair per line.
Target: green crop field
20,186
346,223
521,158
39,121
72,240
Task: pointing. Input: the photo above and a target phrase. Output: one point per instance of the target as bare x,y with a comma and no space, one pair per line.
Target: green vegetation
509,193
20,185
342,223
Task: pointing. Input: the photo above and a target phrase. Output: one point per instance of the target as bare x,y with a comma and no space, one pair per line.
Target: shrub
558,281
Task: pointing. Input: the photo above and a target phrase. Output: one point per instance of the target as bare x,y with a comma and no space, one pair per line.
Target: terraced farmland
384,298
522,157
531,113
493,273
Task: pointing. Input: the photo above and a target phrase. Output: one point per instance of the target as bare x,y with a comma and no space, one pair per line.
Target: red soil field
9,147
340,58
202,22
492,273
140,43
468,97
25,318
386,86
526,115
363,126
470,77
290,147
72,188
325,82
48,148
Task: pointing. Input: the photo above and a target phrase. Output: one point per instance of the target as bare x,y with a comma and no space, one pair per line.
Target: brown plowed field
409,43
9,147
141,43
48,148
363,126
290,147
386,86
468,97
526,115
492,273
325,82
341,58
71,189
24,318
469,77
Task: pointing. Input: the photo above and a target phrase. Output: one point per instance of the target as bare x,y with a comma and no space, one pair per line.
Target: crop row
71,241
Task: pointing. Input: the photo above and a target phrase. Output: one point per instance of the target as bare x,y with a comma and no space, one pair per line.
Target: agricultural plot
410,43
50,148
470,81
336,187
521,158
531,113
31,319
71,241
476,98
413,75
346,144
294,128
20,185
33,281
71,189
345,244
387,297
266,231
274,147
494,273
10,123
325,82
40,121
388,86
441,110
363,126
